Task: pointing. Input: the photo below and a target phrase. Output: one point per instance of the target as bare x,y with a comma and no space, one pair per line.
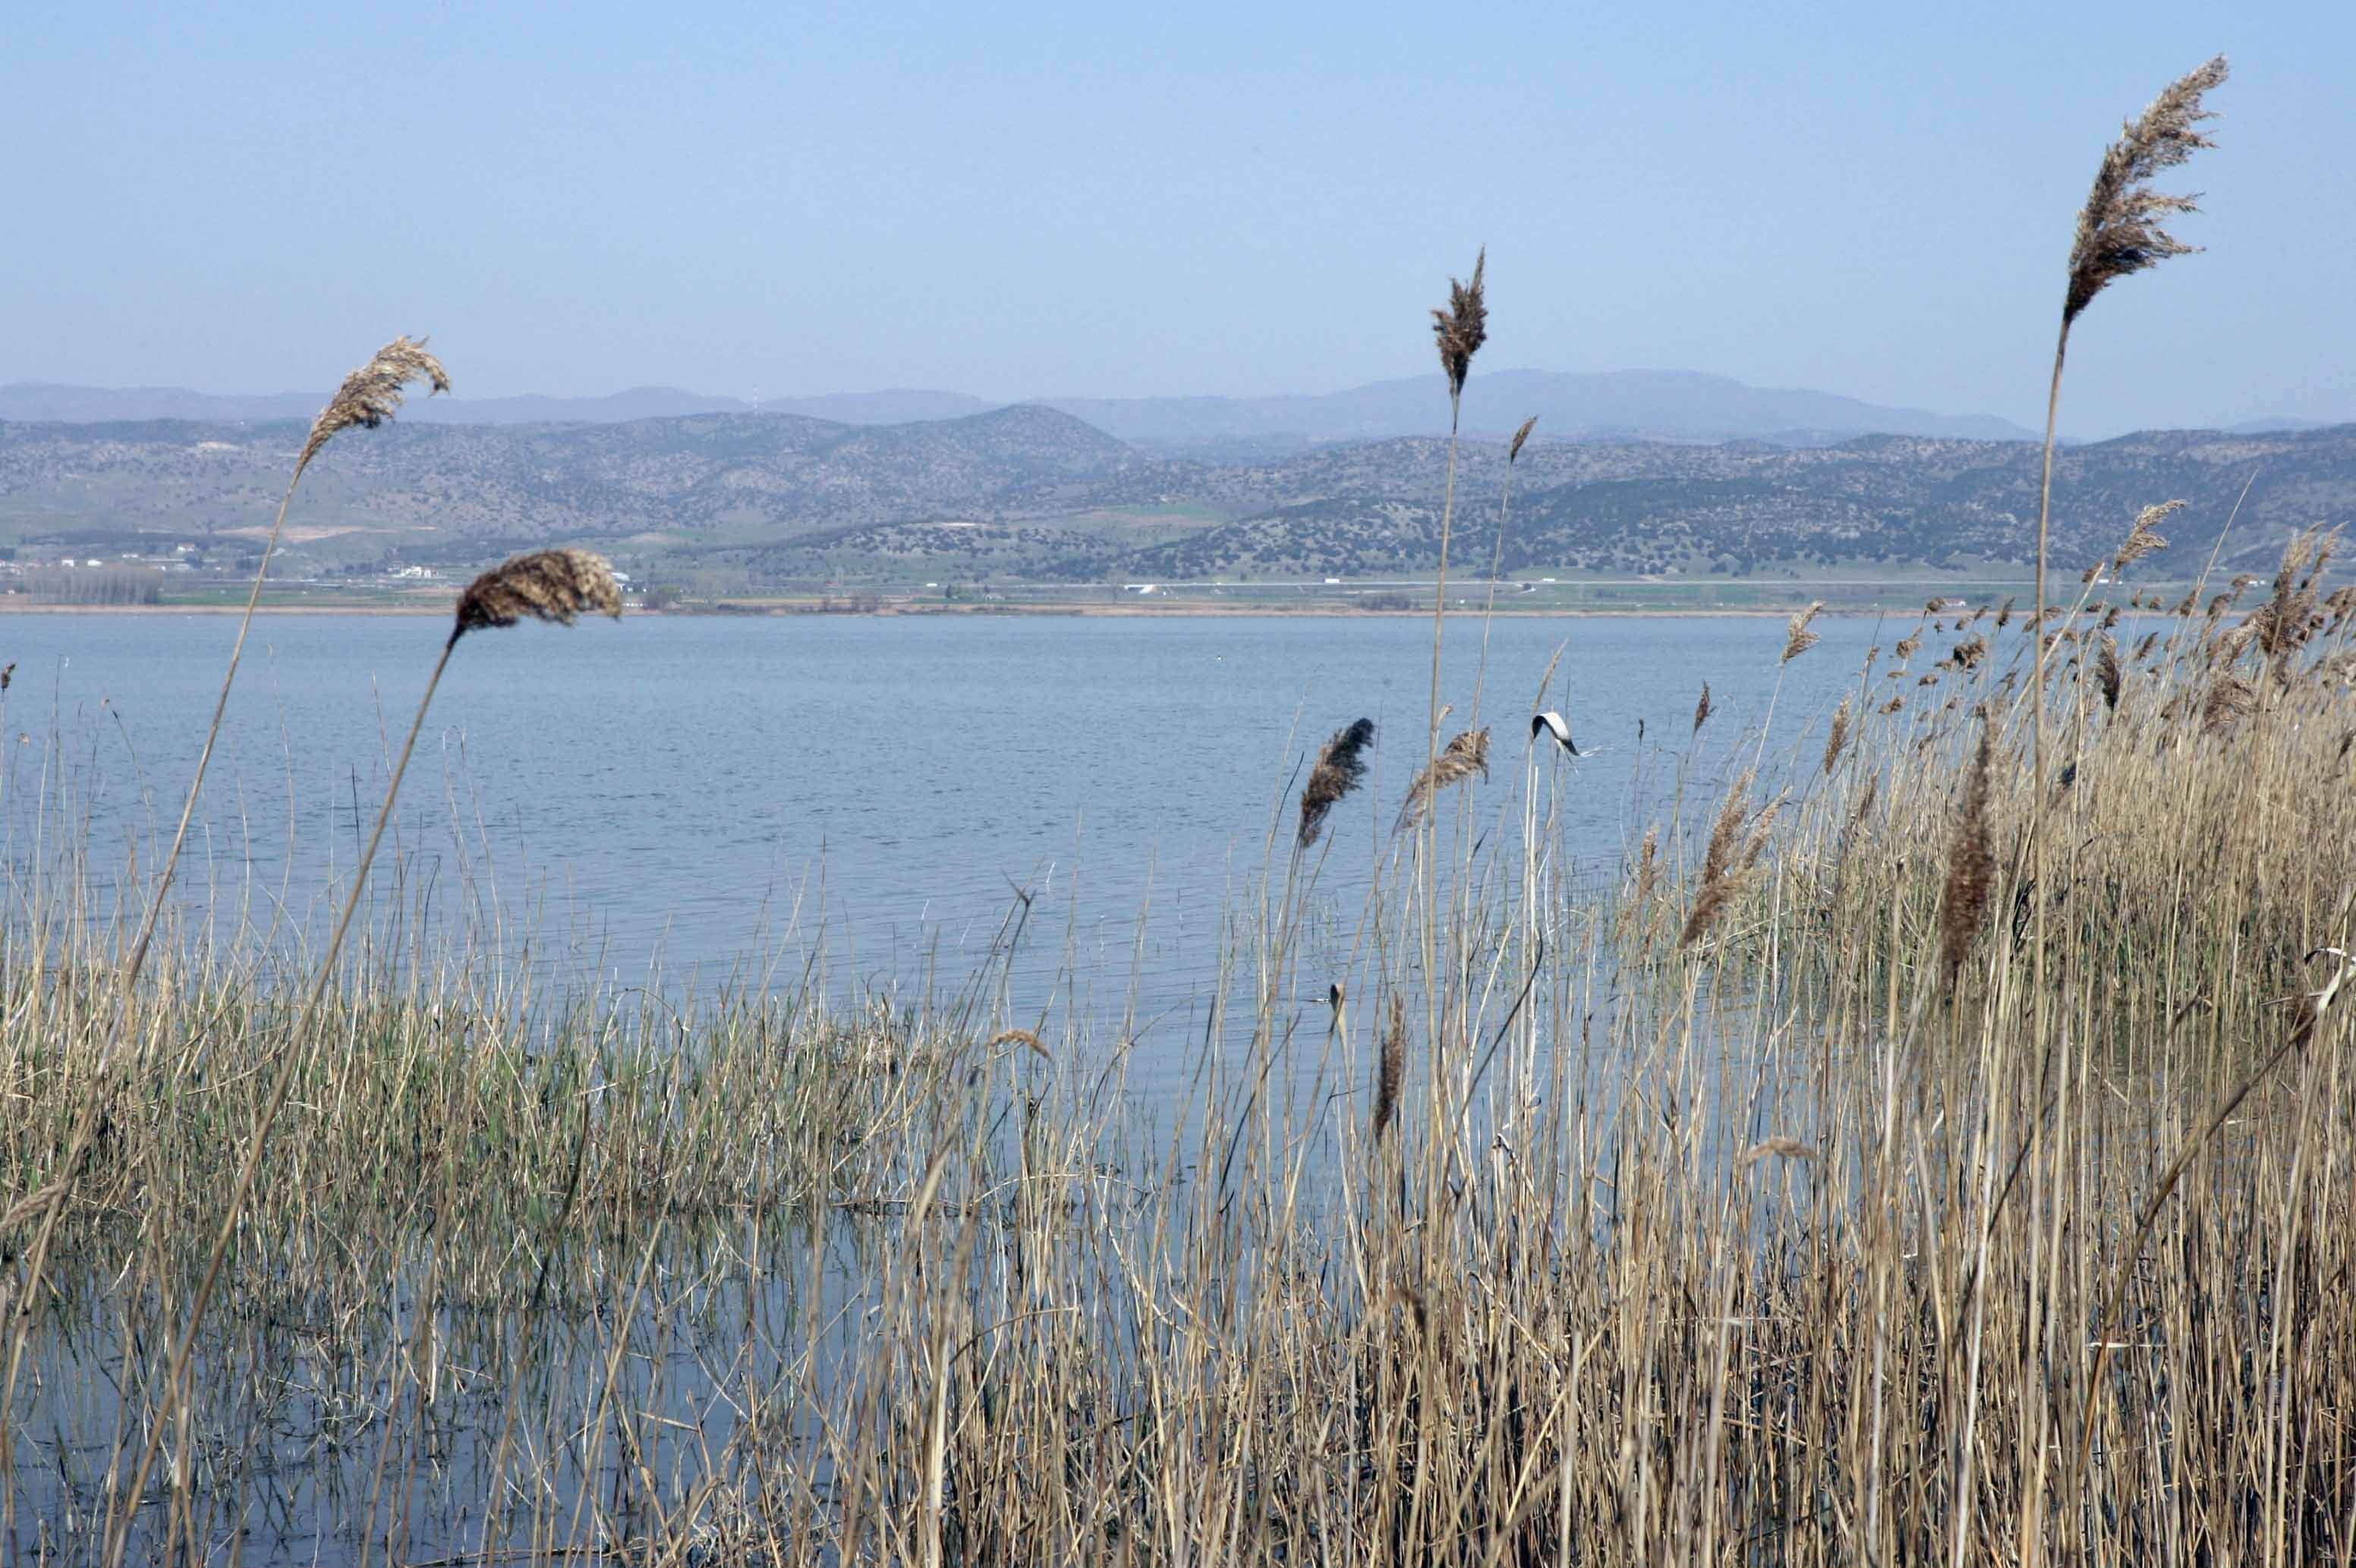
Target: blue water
679,801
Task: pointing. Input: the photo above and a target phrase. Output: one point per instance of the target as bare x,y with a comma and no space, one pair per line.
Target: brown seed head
1838,740
1521,435
2145,537
2106,672
1971,867
2119,229
1798,638
1701,709
1391,1068
546,585
1341,768
371,394
1463,327
1462,757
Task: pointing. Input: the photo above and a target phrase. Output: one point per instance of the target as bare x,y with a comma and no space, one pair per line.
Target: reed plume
1463,327
1720,863
1465,756
1513,451
1799,638
371,394
1701,709
2230,701
1907,647
2119,229
1971,867
2145,537
1837,741
1391,1068
2107,676
556,585
1341,768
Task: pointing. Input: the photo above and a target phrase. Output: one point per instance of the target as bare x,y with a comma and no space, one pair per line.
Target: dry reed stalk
2119,232
556,585
1971,866
1390,1069
368,395
1341,768
1798,638
1837,741
1465,756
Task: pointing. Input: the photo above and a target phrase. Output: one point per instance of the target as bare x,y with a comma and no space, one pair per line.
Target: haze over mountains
1616,405
1028,492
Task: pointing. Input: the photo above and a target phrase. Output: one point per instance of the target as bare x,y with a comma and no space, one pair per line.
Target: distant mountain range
1030,491
1617,405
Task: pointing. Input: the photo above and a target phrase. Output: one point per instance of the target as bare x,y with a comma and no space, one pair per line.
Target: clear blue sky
1022,200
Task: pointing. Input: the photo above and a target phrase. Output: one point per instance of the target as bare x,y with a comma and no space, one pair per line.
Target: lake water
678,801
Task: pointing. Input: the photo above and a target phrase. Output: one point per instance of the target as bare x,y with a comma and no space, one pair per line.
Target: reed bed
1935,1148
1794,1243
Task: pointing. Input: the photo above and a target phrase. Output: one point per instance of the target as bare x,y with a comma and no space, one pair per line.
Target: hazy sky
1872,198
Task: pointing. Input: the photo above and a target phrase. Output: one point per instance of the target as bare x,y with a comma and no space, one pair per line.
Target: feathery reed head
1971,867
1721,863
1341,768
2107,676
2230,701
1800,638
1701,709
1837,741
1463,327
546,585
1465,756
1514,450
2119,229
371,394
2145,537
1391,1068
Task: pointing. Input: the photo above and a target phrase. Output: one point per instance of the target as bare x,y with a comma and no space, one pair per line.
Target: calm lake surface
682,801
